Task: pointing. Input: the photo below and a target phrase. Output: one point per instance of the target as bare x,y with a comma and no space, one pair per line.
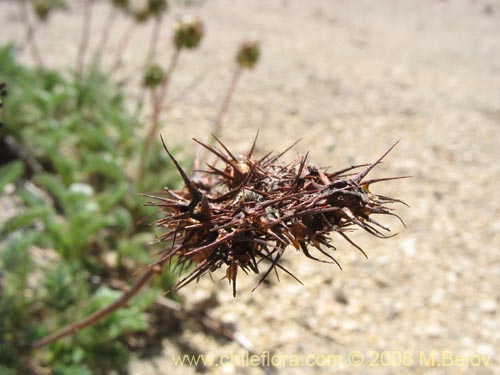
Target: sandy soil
350,78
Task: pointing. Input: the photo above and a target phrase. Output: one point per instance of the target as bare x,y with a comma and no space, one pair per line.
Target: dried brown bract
248,211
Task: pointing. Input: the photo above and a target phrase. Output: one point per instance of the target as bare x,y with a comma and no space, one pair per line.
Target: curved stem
84,37
158,103
217,125
153,43
150,58
30,34
122,47
187,90
227,100
98,315
105,34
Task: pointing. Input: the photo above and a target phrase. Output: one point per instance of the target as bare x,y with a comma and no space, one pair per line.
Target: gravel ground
350,78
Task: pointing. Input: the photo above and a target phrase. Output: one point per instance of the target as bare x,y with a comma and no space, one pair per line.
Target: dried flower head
141,15
188,32
43,8
153,76
248,211
121,4
248,54
157,7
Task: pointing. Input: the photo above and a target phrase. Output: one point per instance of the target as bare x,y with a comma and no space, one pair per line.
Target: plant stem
122,47
84,37
155,36
157,102
182,94
217,125
227,100
105,34
98,315
150,58
30,34
30,29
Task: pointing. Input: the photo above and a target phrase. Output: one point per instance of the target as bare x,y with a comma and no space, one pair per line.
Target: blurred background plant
71,151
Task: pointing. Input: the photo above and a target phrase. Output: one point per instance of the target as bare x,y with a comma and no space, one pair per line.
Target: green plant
69,148
73,163
69,160
250,211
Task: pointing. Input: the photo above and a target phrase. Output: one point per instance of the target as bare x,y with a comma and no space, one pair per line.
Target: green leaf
121,219
133,247
29,197
62,369
65,286
112,196
10,173
83,228
16,258
25,218
54,187
65,167
105,164
7,371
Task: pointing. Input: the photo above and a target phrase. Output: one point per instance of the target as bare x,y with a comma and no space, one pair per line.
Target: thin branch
227,100
122,47
105,34
195,83
84,37
150,58
217,125
98,315
30,34
153,43
30,30
158,103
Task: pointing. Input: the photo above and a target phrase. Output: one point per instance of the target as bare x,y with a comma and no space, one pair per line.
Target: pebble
350,325
489,306
381,280
433,331
486,349
409,247
437,297
383,260
110,258
467,342
392,311
9,189
228,369
340,297
202,299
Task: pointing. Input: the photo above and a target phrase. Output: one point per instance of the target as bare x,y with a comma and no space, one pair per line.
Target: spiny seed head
43,8
121,4
153,76
248,54
157,7
141,15
188,32
248,211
